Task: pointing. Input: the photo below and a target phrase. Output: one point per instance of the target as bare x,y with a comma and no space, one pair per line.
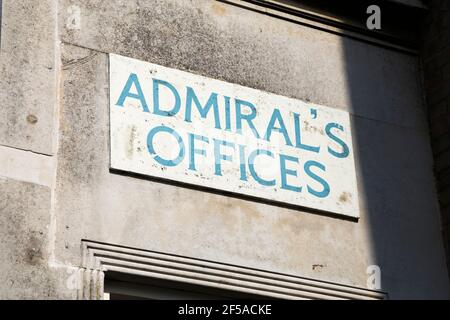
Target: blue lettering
242,167
212,102
156,107
345,150
132,80
326,187
151,149
193,150
251,161
298,138
227,114
218,156
247,117
276,117
285,172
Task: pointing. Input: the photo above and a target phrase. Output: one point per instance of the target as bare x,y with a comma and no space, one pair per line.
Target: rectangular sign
180,126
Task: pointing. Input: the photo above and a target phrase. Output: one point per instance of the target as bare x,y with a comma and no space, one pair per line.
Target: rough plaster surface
28,75
145,214
24,223
28,98
240,46
398,231
379,87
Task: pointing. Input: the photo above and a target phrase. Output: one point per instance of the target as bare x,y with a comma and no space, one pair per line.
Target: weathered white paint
131,123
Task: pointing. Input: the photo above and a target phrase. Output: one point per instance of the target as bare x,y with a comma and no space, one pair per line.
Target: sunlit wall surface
58,191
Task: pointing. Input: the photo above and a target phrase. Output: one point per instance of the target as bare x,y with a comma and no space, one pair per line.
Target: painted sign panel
180,126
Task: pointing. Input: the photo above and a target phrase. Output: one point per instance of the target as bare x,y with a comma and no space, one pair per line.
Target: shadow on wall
1,4
394,165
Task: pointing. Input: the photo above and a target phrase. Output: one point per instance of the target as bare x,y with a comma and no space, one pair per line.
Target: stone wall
57,189
436,67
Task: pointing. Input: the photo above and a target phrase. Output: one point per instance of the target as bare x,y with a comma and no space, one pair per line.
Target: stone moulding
98,258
